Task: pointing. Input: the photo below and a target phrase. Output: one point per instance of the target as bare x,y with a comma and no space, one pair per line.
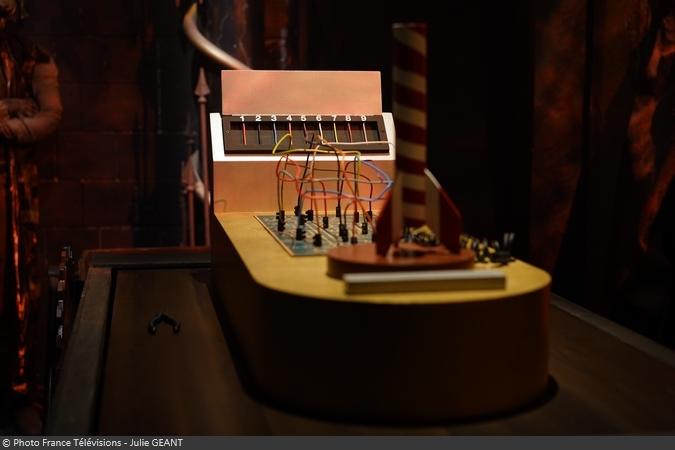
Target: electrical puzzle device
329,171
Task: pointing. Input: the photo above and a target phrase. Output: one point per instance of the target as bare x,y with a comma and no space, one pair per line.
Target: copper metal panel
301,92
241,186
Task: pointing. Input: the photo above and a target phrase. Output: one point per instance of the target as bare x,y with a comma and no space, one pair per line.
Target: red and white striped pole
417,198
410,117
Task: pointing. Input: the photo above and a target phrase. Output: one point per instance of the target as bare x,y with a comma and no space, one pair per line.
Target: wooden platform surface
609,380
271,267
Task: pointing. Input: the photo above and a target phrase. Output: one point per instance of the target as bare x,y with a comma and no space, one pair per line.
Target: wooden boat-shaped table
301,343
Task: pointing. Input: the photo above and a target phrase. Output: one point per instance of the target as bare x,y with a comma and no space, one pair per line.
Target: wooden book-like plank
423,280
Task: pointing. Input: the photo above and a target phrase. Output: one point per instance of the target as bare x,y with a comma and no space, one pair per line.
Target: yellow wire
283,138
316,150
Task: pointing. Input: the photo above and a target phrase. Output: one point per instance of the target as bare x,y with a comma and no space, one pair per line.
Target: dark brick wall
110,177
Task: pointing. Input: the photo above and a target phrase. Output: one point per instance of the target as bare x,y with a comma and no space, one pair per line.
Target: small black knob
343,232
317,240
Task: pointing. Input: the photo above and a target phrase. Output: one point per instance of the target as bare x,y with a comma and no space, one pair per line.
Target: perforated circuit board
330,237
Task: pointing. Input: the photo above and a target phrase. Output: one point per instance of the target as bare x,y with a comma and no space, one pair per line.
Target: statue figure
30,110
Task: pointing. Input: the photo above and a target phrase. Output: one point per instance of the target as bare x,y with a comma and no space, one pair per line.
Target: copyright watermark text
89,442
